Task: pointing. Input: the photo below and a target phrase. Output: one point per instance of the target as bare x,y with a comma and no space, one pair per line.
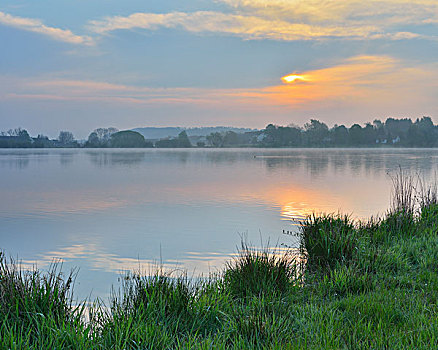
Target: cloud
352,82
247,27
37,26
291,20
383,12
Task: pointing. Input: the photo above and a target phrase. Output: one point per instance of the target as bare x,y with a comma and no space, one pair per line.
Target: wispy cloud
380,12
247,27
37,26
290,20
354,81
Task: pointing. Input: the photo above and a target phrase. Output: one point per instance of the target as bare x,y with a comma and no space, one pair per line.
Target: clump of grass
148,311
257,272
161,311
27,294
37,310
328,240
161,295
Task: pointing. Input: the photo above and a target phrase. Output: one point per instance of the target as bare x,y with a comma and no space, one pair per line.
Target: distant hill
154,133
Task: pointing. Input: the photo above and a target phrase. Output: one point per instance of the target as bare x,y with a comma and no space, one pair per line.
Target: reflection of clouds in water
91,257
97,259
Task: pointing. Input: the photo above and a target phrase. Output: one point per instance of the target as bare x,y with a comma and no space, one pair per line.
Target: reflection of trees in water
316,162
105,158
200,156
274,162
355,163
319,163
22,159
223,157
338,162
66,158
15,163
175,155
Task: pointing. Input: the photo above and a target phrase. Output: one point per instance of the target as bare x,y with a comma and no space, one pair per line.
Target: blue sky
78,65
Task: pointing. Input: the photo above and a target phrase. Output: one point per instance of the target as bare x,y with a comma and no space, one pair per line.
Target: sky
82,64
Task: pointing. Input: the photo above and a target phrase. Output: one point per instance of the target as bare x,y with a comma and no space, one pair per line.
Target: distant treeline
393,132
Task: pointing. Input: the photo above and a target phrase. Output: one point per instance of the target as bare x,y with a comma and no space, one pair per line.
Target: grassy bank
359,285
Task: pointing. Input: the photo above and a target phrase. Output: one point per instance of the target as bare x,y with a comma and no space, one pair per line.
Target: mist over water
106,211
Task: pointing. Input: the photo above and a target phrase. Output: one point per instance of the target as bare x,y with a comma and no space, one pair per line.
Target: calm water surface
106,211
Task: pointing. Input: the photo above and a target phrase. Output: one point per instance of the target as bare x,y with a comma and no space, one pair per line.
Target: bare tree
66,138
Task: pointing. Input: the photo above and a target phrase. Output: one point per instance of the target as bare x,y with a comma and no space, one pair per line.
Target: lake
107,211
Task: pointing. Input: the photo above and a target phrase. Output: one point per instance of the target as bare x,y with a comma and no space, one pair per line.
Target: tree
230,139
42,141
316,132
66,138
93,140
397,128
16,138
100,137
215,139
280,136
422,133
128,139
339,135
183,140
356,135
104,134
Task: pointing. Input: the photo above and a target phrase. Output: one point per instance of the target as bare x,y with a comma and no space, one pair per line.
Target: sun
293,78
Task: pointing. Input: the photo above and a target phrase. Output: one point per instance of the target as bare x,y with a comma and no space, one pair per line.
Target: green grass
369,285
260,272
